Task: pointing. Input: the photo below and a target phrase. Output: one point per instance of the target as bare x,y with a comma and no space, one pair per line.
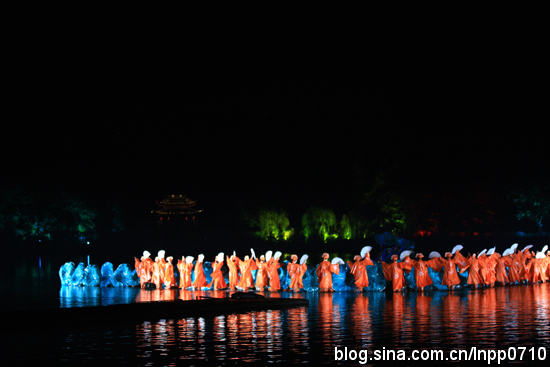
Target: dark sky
279,101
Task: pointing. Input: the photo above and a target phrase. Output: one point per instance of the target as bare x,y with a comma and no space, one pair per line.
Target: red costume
162,262
156,273
515,270
421,274
200,278
169,278
145,269
502,263
217,276
450,277
246,266
394,272
273,272
232,263
474,272
460,260
324,274
185,269
359,270
296,272
262,278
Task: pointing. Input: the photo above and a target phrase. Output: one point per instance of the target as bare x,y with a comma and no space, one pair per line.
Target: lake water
384,325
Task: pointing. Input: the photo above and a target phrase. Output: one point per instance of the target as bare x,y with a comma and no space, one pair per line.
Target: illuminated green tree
320,221
353,226
274,224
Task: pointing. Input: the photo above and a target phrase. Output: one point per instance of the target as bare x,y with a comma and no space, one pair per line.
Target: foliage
274,224
62,218
386,207
320,221
353,226
532,203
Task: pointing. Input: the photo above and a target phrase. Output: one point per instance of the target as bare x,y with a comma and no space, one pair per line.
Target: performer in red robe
450,277
200,278
217,276
406,262
246,266
536,268
394,273
162,262
185,268
525,258
324,274
262,277
515,271
232,264
145,269
502,262
421,274
365,252
474,275
296,272
169,278
460,260
359,271
157,269
273,271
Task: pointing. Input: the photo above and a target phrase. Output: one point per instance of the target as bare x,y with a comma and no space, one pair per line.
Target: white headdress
146,254
200,258
189,259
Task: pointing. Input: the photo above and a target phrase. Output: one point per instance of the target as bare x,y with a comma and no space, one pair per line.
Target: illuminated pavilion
177,207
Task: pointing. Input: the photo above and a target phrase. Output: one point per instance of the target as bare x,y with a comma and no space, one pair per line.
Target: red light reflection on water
486,318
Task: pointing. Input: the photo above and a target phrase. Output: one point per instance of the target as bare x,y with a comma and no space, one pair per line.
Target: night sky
281,102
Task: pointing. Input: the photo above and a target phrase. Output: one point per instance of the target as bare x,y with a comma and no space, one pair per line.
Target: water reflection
486,318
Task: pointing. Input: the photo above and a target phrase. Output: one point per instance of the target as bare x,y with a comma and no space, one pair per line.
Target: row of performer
454,270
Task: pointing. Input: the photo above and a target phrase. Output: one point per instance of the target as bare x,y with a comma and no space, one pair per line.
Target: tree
62,218
274,224
532,203
386,207
320,221
353,226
